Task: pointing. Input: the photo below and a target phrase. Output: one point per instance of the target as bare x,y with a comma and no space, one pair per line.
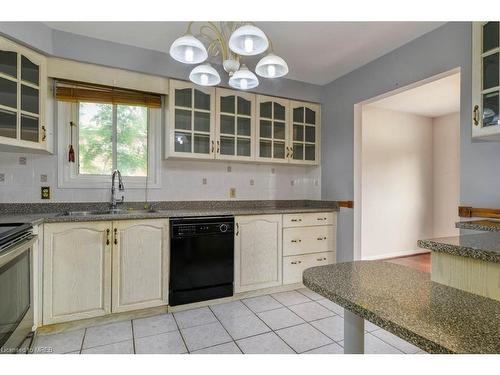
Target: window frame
68,173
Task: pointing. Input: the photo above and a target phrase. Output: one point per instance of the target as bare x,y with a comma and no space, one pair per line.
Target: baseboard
395,254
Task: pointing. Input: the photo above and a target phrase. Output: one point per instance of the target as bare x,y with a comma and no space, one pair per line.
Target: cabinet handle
291,152
321,218
116,236
320,259
295,220
475,117
44,133
218,147
296,241
321,238
213,147
237,229
287,152
107,236
297,262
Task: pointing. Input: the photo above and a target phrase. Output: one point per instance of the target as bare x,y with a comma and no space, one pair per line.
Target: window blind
72,91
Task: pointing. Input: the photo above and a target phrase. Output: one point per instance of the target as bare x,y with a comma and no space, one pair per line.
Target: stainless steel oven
16,285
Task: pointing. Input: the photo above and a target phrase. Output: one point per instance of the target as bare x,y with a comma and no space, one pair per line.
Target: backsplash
180,180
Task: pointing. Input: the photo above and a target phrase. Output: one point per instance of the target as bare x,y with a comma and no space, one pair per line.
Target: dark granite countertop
401,300
482,246
51,213
482,225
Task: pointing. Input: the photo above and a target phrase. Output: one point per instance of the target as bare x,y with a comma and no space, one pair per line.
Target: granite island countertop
404,301
486,225
482,246
53,212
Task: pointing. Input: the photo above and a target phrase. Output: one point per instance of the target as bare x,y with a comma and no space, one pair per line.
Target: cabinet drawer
294,266
309,219
306,240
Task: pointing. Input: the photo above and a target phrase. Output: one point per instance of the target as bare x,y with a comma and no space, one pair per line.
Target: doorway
406,175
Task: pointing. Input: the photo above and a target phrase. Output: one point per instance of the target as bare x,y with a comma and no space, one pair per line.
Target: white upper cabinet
191,121
217,123
272,129
304,133
485,81
235,130
23,96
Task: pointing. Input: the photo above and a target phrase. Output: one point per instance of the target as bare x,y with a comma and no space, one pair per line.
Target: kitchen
152,205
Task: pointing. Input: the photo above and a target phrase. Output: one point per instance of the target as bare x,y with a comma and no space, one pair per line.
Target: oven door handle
19,248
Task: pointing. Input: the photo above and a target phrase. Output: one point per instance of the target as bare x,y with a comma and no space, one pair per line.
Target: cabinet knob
321,218
107,236
296,220
116,236
44,133
218,147
296,262
320,259
296,241
321,238
213,147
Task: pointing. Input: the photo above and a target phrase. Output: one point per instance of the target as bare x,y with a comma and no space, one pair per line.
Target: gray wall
81,48
441,50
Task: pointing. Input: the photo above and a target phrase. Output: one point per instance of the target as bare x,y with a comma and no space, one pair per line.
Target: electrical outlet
232,192
22,160
45,192
273,170
252,182
292,182
43,178
204,181
2,178
229,169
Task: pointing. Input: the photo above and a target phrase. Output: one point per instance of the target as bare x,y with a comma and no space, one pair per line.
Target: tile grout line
180,333
232,338
258,317
133,335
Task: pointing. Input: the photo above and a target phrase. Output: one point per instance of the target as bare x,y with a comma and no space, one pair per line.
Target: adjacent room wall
397,182
441,50
446,174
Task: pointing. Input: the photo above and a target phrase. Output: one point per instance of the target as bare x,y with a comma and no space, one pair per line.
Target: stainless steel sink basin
106,212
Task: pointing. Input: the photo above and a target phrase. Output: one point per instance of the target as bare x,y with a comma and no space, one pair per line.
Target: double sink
116,211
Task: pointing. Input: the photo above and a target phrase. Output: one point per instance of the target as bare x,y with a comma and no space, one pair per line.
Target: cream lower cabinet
76,271
140,264
98,268
257,252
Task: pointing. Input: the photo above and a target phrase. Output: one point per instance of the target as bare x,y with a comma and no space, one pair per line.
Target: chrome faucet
115,202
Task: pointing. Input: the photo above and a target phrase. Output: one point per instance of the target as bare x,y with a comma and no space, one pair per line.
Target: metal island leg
354,335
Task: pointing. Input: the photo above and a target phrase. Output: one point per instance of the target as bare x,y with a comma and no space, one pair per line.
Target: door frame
357,149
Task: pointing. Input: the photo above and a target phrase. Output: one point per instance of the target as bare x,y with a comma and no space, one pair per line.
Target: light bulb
244,84
248,44
271,70
204,79
189,54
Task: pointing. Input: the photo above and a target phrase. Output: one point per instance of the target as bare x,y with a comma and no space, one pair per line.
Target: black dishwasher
201,259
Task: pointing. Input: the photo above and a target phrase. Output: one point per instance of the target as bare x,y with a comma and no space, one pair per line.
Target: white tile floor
298,321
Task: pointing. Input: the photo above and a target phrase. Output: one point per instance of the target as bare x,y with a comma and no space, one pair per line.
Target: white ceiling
316,52
433,99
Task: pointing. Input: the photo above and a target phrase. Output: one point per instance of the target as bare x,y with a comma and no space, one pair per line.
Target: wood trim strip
346,204
465,211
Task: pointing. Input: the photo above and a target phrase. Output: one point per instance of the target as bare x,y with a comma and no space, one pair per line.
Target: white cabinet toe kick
100,269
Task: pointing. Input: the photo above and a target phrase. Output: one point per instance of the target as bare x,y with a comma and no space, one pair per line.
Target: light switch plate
43,178
252,182
204,181
229,169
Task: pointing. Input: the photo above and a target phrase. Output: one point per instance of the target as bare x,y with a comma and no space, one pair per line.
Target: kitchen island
405,302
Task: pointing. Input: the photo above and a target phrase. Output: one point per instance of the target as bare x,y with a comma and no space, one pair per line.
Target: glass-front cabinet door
191,113
22,93
304,132
235,132
272,129
486,85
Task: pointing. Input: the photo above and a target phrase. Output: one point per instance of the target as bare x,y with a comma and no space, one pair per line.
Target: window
107,137
112,137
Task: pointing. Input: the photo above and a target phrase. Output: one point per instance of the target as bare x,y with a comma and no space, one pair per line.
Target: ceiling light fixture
231,41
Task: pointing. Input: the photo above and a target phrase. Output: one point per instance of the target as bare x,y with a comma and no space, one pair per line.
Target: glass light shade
271,66
248,40
243,79
205,75
188,50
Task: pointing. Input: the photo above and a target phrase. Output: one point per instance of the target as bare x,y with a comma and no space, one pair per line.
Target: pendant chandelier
231,41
